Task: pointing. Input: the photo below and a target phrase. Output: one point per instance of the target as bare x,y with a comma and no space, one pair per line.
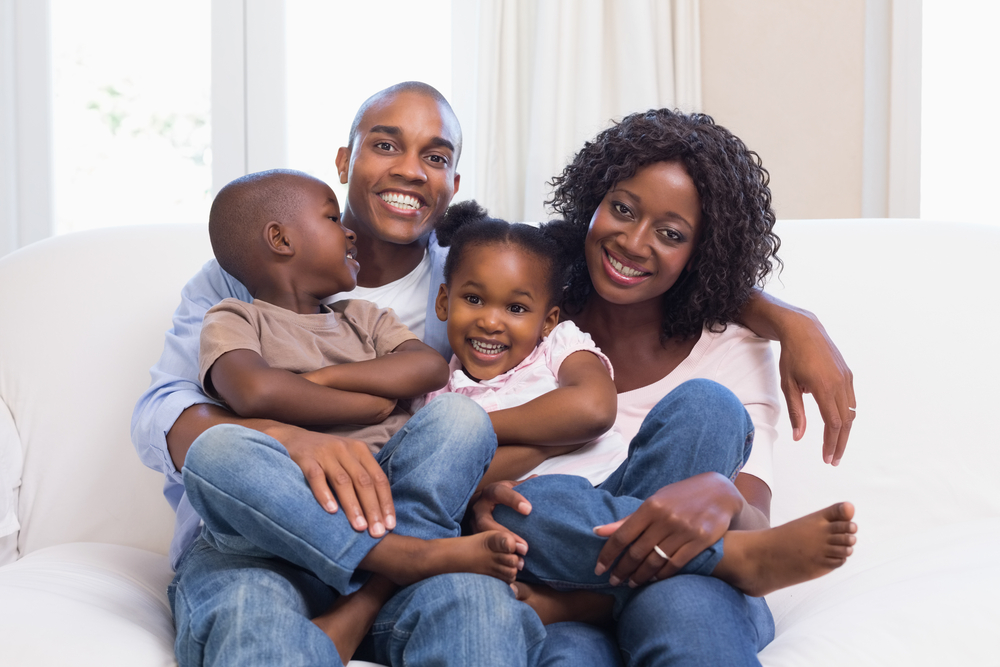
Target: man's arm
809,363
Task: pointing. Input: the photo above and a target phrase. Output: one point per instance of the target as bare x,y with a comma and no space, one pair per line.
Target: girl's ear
441,303
277,239
551,320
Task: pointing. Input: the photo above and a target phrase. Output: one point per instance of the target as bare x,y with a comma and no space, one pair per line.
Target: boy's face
400,170
324,249
497,307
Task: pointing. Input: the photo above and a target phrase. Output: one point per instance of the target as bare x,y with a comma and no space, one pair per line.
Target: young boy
345,368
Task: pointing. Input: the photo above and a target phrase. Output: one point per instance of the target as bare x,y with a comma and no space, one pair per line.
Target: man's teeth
400,201
488,348
626,271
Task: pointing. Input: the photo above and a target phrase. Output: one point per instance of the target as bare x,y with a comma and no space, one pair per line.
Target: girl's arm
809,363
410,370
583,407
254,389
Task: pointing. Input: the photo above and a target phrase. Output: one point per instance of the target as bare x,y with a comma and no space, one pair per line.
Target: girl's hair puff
467,224
737,247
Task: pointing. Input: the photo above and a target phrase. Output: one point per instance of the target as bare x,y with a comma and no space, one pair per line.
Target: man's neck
382,262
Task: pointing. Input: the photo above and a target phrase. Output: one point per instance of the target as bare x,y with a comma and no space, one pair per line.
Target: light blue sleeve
174,385
436,331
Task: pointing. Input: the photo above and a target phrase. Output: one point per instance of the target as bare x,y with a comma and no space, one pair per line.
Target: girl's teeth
488,348
626,271
400,201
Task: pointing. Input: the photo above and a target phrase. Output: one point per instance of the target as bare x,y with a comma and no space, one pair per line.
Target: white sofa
911,304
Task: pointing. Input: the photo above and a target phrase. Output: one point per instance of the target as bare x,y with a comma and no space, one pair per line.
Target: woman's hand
480,516
681,519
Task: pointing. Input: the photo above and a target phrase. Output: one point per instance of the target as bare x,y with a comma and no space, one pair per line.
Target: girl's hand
682,519
499,493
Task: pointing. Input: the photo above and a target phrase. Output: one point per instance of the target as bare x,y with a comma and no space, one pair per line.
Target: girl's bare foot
761,561
349,618
554,606
406,560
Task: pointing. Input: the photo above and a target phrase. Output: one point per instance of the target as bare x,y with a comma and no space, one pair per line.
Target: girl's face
497,308
643,234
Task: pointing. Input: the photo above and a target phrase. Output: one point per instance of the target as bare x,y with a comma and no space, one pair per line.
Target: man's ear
277,239
551,320
441,303
343,162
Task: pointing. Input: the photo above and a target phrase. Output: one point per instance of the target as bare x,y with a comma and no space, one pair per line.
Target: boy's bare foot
554,606
761,561
349,618
406,560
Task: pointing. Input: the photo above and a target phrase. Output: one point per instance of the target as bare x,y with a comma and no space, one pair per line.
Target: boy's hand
498,493
344,469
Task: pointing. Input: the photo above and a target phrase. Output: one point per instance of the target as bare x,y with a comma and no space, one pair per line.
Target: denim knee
224,445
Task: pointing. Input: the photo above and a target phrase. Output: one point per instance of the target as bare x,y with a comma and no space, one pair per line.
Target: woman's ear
551,320
441,303
277,239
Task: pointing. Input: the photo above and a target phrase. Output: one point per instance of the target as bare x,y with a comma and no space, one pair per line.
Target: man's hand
681,519
484,501
341,468
811,363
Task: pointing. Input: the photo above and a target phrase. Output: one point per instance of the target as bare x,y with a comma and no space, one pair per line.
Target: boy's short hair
239,213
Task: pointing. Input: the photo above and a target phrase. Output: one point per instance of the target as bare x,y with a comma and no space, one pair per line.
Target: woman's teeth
400,201
626,271
488,348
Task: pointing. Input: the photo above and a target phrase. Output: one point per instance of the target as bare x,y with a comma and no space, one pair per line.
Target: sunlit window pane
342,51
961,102
131,85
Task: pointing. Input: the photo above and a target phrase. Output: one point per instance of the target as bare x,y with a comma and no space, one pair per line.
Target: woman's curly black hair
737,247
467,224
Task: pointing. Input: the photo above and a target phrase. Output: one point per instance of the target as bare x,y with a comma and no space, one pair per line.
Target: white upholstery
910,304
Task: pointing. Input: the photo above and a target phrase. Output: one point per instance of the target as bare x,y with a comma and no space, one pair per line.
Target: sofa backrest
83,319
912,305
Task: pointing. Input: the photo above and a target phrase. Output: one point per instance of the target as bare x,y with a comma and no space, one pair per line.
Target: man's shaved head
405,87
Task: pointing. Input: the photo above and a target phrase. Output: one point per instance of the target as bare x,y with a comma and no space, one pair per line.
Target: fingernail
614,581
520,563
521,548
524,508
360,523
390,521
600,569
632,584
330,506
513,587
378,530
836,462
828,458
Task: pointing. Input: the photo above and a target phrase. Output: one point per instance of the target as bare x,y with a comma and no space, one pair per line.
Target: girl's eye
622,209
517,308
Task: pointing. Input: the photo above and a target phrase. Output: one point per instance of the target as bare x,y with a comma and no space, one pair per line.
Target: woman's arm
583,407
809,363
410,370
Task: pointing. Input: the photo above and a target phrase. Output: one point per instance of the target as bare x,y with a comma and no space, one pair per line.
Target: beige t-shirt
347,331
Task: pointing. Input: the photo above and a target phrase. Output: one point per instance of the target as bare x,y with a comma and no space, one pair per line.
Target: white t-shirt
407,296
736,359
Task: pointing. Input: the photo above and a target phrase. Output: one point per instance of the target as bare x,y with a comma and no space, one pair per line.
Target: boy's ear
441,303
277,240
343,162
551,320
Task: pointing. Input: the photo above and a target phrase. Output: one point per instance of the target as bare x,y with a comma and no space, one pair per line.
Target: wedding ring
852,409
659,551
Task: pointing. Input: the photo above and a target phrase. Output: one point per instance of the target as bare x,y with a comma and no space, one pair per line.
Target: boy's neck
383,262
303,304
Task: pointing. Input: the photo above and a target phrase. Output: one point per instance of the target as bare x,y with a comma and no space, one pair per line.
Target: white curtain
553,73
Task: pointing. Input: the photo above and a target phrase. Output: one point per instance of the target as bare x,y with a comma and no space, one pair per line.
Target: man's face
401,169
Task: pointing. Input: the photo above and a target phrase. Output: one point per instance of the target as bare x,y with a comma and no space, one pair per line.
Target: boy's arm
809,363
410,370
254,389
583,407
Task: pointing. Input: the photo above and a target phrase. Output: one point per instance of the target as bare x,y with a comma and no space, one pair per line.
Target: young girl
545,383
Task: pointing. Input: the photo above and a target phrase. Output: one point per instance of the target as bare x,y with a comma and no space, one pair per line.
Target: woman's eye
622,209
671,234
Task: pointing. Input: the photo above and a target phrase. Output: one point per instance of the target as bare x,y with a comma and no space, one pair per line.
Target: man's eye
383,146
440,159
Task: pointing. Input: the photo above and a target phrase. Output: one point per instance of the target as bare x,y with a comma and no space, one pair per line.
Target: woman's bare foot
349,618
554,606
760,561
406,560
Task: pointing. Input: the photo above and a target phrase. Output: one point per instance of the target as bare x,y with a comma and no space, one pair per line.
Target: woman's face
643,234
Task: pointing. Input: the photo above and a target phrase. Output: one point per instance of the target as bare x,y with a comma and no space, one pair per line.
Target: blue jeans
699,427
270,558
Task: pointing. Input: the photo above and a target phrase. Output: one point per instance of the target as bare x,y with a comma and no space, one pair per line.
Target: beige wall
787,77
